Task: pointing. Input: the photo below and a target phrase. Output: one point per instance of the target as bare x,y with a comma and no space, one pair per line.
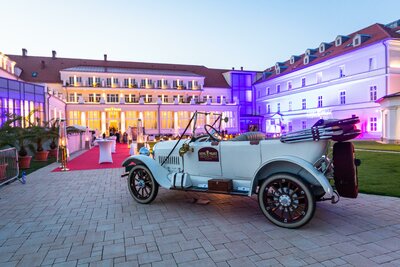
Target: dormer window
323,47
360,38
278,70
310,51
293,59
307,59
340,39
279,67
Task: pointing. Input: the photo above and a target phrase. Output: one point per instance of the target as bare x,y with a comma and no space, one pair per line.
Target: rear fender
296,166
159,172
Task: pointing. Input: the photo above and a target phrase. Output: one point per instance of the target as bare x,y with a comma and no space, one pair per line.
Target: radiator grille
172,160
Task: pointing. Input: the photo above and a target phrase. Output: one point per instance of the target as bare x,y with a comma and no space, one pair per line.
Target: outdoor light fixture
63,141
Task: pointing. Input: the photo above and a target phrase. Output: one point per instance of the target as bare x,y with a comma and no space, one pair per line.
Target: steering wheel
213,133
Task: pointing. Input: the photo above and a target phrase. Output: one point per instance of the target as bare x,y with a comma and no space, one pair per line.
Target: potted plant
40,134
53,135
24,137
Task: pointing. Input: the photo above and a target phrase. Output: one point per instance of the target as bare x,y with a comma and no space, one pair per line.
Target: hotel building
353,75
105,95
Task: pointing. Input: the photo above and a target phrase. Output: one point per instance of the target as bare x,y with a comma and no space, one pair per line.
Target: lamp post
63,141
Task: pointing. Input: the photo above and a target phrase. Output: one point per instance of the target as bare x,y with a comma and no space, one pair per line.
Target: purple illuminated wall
14,94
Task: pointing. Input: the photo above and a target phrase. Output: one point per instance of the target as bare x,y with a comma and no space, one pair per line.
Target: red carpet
90,159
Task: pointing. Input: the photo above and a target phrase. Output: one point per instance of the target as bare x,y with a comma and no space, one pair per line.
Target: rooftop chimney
24,52
42,64
105,57
233,68
54,54
241,68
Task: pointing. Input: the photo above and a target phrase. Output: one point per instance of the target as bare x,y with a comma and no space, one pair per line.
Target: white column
83,118
55,113
122,121
141,115
103,122
176,124
75,95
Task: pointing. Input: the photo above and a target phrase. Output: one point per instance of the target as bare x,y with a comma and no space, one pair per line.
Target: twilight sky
216,33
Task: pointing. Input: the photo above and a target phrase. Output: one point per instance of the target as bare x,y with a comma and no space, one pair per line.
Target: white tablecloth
105,150
114,144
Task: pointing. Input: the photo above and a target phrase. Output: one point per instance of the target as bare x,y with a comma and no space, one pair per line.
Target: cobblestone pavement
88,218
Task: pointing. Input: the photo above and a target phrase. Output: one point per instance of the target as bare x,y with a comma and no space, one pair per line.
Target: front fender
158,171
296,166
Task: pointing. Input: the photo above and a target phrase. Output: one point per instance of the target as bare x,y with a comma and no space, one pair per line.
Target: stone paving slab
88,218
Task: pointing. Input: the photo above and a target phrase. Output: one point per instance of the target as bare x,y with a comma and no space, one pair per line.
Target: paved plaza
88,218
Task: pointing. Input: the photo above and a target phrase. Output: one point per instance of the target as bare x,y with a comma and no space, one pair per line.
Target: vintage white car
288,174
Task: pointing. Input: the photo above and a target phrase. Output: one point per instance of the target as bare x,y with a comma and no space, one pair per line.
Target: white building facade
343,78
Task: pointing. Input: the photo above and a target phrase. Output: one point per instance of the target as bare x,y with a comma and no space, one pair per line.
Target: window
319,77
97,81
218,99
258,94
342,97
290,126
159,83
71,98
74,118
167,119
304,104
278,107
371,64
249,95
303,125
373,124
149,82
150,119
268,91
78,79
112,98
115,81
356,41
71,80
149,99
268,109
126,82
204,98
341,72
108,82
289,85
142,83
190,84
303,82
372,93
272,122
290,106
259,110
90,81
320,101
94,98
94,120
175,84
278,88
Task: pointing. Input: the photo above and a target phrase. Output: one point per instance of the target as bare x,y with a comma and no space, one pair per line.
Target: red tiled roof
51,71
377,32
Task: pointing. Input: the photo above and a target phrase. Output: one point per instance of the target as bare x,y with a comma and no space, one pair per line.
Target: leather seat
250,136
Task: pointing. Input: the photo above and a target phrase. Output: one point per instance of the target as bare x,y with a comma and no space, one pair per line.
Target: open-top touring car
289,174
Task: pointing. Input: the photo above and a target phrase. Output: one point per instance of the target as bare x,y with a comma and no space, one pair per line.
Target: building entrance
113,120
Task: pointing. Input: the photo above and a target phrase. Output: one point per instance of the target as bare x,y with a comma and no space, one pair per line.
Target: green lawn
372,145
379,173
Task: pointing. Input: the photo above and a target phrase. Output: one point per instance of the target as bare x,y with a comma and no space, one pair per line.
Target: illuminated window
150,119
373,124
320,101
372,93
342,97
94,120
303,82
131,119
167,119
183,119
303,104
74,118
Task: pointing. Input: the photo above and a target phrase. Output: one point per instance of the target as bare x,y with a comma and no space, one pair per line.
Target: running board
205,190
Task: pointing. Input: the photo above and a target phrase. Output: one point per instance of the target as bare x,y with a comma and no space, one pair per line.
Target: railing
8,165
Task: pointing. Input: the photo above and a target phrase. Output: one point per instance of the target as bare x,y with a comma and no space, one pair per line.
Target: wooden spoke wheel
142,185
286,200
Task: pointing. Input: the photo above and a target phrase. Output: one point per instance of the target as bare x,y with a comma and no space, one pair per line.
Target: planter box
41,156
24,162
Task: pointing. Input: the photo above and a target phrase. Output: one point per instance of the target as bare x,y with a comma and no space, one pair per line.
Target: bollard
23,178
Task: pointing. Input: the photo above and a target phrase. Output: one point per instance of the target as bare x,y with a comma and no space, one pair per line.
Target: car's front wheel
286,200
142,185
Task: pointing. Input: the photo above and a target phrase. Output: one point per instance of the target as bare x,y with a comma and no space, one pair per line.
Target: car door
240,159
203,159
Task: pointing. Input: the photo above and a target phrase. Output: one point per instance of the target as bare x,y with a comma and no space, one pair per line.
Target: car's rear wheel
286,200
142,185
